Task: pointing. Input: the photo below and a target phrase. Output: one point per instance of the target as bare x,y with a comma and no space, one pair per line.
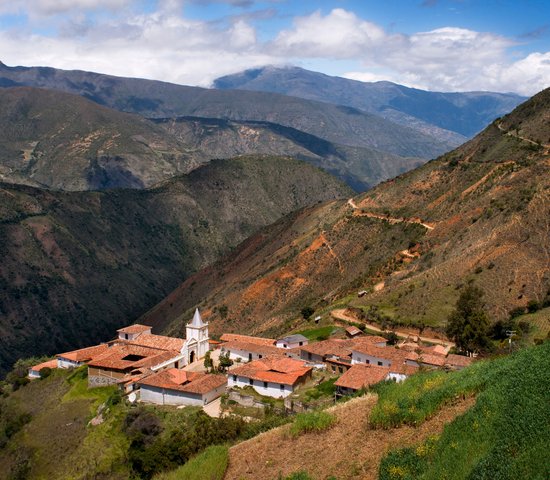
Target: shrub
45,372
311,422
307,312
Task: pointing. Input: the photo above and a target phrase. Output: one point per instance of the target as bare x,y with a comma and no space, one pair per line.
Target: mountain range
478,214
457,115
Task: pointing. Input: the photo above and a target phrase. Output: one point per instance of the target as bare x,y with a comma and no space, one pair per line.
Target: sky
441,45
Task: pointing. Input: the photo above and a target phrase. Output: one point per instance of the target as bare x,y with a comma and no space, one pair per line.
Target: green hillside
76,266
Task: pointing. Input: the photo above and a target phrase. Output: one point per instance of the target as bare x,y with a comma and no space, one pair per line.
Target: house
327,351
353,332
120,362
360,376
242,351
431,360
34,371
292,341
132,332
76,358
274,377
178,387
457,362
373,354
235,337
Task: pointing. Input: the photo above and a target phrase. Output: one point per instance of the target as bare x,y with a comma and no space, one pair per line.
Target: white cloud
166,45
340,34
53,7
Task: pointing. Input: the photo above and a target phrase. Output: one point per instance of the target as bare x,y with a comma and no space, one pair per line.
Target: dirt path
348,451
528,140
340,314
387,218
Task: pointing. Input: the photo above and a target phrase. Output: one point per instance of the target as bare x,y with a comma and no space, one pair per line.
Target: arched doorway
192,357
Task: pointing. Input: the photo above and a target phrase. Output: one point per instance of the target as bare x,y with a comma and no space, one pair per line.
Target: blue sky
446,45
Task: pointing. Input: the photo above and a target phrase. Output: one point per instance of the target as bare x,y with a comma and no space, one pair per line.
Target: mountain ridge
449,112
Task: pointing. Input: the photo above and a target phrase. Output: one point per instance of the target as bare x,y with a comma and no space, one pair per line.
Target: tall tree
468,324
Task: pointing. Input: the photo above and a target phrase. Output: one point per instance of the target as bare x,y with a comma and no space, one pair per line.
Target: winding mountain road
393,220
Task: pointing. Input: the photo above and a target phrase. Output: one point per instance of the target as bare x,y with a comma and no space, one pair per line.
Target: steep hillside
335,123
77,265
66,142
359,167
480,213
445,115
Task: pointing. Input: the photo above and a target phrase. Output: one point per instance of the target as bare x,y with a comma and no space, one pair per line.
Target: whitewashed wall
272,390
242,355
66,363
360,357
163,396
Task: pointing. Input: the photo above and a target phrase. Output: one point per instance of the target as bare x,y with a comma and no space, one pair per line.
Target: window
251,382
126,336
234,378
260,356
380,363
368,361
333,368
265,384
249,357
340,369
285,345
282,387
301,343
309,356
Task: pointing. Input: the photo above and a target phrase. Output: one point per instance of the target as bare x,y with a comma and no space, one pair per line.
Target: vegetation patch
320,333
311,422
208,465
504,436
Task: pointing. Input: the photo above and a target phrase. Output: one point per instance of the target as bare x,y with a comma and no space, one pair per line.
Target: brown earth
349,450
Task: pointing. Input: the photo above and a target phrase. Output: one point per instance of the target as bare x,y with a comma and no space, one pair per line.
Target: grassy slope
208,465
504,436
79,265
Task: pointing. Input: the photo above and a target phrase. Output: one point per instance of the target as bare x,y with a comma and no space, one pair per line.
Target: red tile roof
429,359
341,348
234,337
391,354
253,348
403,368
453,360
353,330
114,357
135,328
360,376
274,369
158,341
48,364
182,381
84,354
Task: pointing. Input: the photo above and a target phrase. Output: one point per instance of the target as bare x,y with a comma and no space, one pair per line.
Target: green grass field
208,465
505,436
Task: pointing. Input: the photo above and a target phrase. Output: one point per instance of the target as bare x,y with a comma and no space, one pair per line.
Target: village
164,370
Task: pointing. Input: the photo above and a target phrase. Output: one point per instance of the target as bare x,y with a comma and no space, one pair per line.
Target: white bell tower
196,334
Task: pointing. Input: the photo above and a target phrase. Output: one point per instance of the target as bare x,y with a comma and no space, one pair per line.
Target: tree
225,362
468,324
307,312
208,362
391,338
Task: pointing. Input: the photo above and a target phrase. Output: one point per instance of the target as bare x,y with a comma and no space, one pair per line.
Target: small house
34,371
274,377
178,387
292,341
76,358
360,376
353,331
241,351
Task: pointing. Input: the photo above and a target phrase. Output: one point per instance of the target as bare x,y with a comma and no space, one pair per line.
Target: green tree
208,362
468,324
225,362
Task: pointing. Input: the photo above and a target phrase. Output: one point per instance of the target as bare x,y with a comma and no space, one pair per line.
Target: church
196,339
137,352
